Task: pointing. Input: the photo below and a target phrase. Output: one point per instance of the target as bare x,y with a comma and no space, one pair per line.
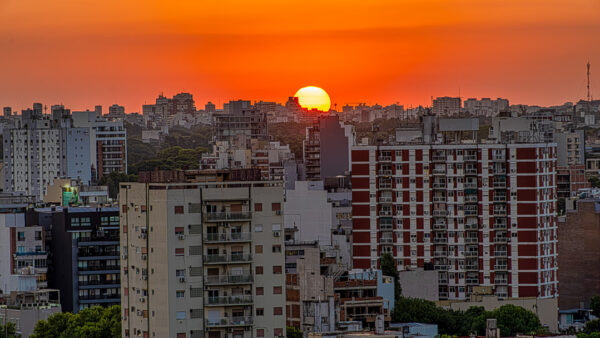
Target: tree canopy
96,322
511,319
389,268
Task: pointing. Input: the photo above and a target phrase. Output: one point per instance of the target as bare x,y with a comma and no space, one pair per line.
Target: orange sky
82,53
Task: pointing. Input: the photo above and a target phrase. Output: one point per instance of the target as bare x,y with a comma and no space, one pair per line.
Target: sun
312,97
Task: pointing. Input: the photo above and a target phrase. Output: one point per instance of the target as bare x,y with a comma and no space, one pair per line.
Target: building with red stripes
480,214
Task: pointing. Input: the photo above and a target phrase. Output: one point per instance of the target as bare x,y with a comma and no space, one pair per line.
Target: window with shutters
260,291
277,269
194,208
195,292
196,271
179,251
179,209
277,290
196,313
257,206
259,270
277,311
258,249
195,250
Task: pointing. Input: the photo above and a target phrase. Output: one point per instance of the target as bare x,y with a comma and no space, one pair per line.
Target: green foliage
588,335
291,133
293,332
96,322
172,158
511,319
595,305
8,331
389,268
594,181
592,326
113,179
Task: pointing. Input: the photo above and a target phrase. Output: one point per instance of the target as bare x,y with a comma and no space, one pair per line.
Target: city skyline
358,52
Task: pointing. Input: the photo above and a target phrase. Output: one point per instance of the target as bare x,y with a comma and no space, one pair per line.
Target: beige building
202,259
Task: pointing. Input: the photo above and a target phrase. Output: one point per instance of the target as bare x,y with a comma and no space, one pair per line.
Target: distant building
569,180
240,119
486,106
210,107
116,112
446,106
26,308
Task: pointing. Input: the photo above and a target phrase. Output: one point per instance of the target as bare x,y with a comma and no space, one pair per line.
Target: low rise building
26,308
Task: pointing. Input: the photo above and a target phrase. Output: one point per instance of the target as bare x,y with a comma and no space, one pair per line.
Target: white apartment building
202,259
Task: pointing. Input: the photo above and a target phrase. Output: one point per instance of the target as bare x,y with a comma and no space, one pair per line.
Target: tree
8,331
595,305
592,326
511,320
594,181
95,322
293,332
113,180
389,268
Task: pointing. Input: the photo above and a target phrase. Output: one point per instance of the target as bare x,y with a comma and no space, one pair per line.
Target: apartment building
202,259
481,214
85,261
240,119
569,180
326,148
446,106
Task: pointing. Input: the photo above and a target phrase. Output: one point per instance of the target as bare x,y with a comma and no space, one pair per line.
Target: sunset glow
312,97
386,51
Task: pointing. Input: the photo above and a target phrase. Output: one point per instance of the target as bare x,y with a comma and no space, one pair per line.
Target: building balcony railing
500,280
385,158
471,226
440,221
384,226
439,185
385,186
500,253
442,267
500,185
472,267
226,259
439,171
501,239
471,171
116,297
228,216
385,172
385,213
100,282
442,281
471,212
99,268
501,267
471,253
440,240
438,158
230,321
228,279
500,226
499,198
385,199
499,212
440,213
471,240
443,295
386,240
470,185
472,281
499,171
440,253
228,300
499,158
471,199
438,226
439,199
470,157
231,237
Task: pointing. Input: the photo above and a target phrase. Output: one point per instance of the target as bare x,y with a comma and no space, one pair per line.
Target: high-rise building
240,119
327,148
85,260
202,259
116,112
479,214
446,106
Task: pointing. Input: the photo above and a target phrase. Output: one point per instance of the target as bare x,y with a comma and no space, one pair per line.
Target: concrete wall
334,147
307,209
420,284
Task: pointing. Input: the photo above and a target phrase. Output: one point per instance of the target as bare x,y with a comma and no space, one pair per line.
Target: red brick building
479,214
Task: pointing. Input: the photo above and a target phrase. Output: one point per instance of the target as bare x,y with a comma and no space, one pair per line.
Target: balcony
499,212
471,171
439,171
386,240
500,280
440,253
471,199
442,267
226,238
442,281
386,226
385,186
227,259
385,172
471,185
385,212
438,158
501,267
472,267
471,253
499,158
500,253
439,185
439,199
385,159
440,213
500,226
228,216
500,185
471,240
440,240
439,226
501,239
228,300
228,279
443,295
230,321
499,171
470,157
472,281
471,226
499,198
385,199
471,212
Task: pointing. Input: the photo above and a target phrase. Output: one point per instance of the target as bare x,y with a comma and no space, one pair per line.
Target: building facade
202,259
481,214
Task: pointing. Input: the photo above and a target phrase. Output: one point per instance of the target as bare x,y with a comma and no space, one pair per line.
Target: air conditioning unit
276,233
142,299
181,237
181,279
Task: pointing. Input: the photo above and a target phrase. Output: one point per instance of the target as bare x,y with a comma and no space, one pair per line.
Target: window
259,270
258,249
276,206
180,315
179,251
179,230
278,332
277,269
180,293
179,209
38,235
260,332
258,228
276,248
277,290
277,311
260,311
180,273
257,206
260,291
20,236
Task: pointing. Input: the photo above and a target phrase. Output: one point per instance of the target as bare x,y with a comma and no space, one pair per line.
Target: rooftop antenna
589,97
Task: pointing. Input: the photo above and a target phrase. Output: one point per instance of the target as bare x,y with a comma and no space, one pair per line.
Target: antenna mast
588,83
